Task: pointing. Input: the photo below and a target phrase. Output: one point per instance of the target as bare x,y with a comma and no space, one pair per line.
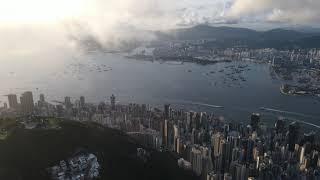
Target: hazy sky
40,24
161,14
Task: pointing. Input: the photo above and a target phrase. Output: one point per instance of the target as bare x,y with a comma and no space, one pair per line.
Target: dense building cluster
25,106
210,147
200,50
219,150
82,166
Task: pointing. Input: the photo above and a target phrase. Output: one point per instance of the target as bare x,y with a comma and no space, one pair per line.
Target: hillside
25,154
229,36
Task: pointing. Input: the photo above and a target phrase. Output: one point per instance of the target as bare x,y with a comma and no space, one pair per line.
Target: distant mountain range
219,37
230,37
304,29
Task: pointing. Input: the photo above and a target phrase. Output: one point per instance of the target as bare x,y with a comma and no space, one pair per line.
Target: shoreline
306,94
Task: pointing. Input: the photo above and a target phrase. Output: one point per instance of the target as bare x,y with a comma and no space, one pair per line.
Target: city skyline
160,89
210,147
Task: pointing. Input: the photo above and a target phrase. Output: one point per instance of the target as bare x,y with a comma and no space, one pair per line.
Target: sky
41,24
161,14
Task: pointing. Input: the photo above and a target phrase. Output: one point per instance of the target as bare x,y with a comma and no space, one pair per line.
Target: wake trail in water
208,105
287,112
301,121
196,103
270,110
304,122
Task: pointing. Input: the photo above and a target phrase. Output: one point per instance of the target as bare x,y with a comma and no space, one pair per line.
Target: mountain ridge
274,38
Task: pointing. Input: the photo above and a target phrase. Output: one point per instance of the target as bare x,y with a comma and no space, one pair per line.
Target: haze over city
160,89
51,23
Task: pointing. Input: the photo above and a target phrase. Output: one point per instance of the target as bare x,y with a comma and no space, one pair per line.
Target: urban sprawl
203,143
298,66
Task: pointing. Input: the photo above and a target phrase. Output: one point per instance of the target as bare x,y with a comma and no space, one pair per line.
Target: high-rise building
216,143
167,111
175,137
239,171
214,176
246,154
309,137
13,101
207,165
27,104
227,176
279,125
67,102
196,160
82,101
5,105
301,154
161,126
293,135
188,118
235,154
226,154
42,99
165,132
177,145
170,136
194,136
250,147
255,120
113,102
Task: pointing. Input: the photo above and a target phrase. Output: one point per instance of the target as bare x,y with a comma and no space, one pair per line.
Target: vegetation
6,126
25,154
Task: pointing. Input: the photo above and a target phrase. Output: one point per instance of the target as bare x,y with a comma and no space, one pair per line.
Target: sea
230,90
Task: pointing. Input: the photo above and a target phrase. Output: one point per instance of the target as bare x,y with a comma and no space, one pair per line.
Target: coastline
285,93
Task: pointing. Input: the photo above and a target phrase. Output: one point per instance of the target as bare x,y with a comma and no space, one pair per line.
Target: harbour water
231,89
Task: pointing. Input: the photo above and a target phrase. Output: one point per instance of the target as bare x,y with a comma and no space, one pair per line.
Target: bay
190,86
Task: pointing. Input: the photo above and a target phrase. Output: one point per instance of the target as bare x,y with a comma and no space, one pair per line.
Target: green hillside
25,154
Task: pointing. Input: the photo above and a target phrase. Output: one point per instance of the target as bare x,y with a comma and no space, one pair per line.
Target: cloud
25,40
204,12
276,11
113,23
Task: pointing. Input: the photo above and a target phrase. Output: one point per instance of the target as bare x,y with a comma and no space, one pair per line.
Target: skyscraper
239,171
175,137
170,136
165,132
226,154
67,102
42,99
13,101
293,135
27,104
309,137
113,102
216,142
82,101
196,160
167,111
255,120
5,105
280,125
